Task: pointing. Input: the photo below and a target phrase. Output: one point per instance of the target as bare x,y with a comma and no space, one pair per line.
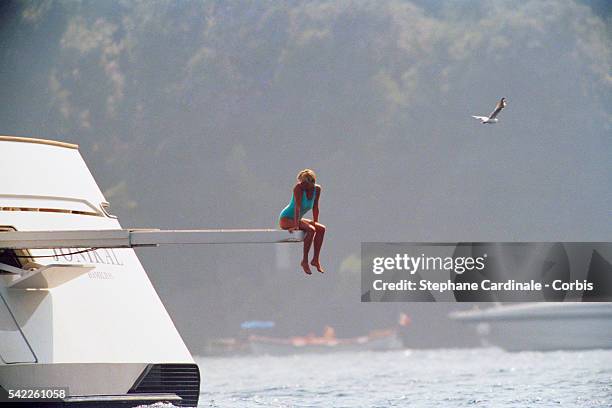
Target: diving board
134,238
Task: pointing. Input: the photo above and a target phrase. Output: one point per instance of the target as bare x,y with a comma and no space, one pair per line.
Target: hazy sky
200,114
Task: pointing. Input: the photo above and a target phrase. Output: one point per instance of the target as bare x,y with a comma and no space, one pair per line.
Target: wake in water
158,405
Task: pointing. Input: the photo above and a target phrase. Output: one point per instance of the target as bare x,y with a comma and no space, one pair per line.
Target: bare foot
306,267
316,264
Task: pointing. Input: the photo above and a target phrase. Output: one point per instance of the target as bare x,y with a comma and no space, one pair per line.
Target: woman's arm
297,195
315,207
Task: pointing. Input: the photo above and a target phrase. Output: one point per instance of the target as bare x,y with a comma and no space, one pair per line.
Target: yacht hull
91,322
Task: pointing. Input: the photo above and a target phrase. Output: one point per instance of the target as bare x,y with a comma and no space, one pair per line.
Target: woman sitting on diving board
305,197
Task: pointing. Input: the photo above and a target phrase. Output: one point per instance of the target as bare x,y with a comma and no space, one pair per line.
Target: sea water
486,377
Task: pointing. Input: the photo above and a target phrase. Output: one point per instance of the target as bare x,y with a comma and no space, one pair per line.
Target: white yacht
74,318
543,326
579,318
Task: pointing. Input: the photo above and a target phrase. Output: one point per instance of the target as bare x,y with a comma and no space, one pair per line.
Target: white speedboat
543,326
77,324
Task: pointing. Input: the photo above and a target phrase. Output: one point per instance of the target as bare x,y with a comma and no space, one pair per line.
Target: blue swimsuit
289,210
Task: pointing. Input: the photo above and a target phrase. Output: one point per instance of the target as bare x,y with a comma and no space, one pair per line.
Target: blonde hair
308,175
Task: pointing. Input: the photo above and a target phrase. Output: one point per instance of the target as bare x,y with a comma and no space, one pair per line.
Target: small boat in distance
377,340
226,347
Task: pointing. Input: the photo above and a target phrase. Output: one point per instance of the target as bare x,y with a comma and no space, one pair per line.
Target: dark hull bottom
98,404
178,384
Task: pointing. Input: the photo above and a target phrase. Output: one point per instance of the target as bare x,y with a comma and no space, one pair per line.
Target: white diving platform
134,238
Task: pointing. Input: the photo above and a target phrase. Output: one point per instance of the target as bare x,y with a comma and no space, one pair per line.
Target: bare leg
318,243
309,232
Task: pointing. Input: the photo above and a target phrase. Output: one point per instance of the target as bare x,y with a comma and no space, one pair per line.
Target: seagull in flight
492,118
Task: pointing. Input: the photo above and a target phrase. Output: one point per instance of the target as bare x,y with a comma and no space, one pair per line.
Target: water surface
486,377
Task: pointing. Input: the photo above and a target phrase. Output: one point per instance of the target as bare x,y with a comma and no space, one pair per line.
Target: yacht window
12,257
8,257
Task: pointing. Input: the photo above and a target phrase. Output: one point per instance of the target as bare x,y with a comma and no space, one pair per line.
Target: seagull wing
500,105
